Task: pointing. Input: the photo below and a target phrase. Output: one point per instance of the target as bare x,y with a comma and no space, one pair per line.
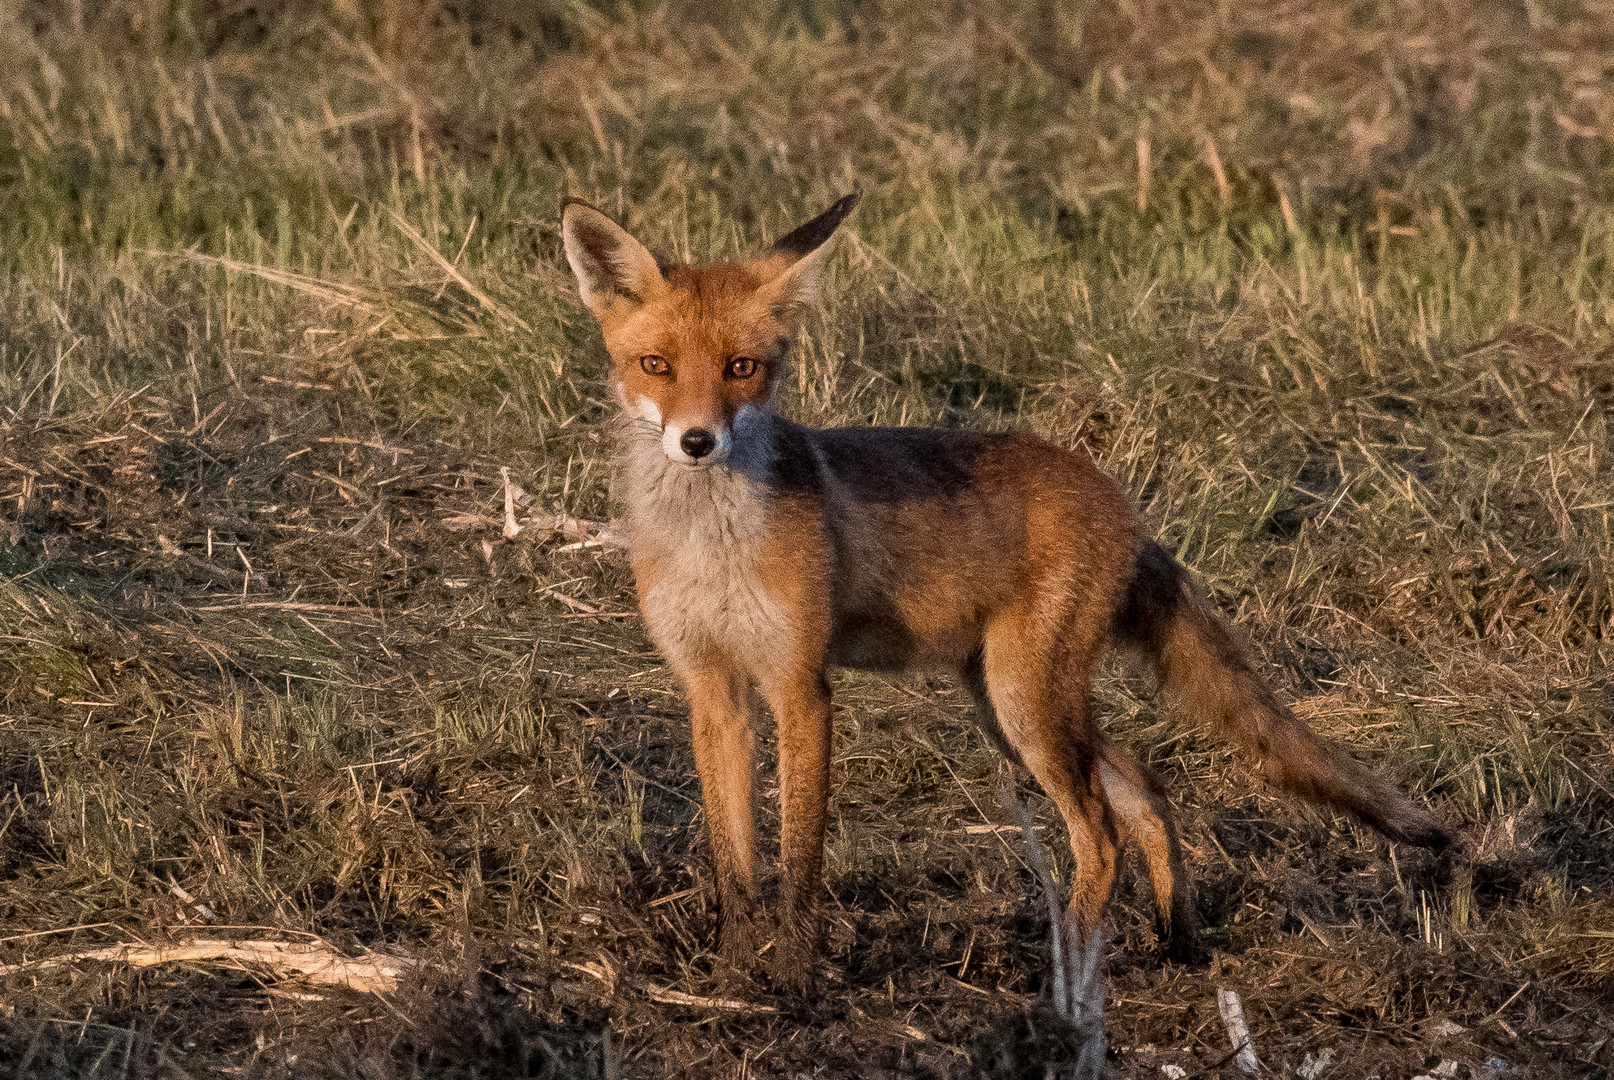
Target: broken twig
1232,1010
668,996
315,962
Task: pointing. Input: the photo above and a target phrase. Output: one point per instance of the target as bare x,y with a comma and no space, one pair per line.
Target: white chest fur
705,528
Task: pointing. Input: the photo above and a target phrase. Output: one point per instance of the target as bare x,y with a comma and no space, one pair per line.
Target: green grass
1360,378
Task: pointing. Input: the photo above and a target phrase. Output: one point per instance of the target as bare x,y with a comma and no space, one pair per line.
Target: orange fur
766,553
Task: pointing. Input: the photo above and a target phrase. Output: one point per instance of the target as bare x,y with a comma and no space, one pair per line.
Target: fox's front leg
801,706
721,713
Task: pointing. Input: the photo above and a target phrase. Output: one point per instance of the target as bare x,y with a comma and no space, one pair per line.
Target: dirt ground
282,305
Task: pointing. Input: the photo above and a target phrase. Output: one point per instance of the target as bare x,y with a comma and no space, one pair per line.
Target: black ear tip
840,208
815,232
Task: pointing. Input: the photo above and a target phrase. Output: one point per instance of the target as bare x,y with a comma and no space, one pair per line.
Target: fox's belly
871,643
896,611
888,642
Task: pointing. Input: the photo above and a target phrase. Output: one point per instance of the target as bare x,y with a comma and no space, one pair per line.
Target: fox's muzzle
696,445
697,442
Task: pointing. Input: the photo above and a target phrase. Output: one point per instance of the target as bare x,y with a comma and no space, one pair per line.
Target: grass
281,292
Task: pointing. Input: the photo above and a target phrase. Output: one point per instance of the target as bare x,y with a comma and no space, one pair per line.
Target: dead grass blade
452,271
333,292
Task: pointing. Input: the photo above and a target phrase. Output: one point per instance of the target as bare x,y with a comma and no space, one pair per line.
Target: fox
767,554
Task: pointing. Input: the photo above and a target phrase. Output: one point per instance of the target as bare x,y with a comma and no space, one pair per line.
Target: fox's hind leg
1137,800
1038,681
1144,815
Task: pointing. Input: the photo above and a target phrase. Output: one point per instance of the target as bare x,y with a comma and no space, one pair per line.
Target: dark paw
792,970
1183,947
1180,941
737,943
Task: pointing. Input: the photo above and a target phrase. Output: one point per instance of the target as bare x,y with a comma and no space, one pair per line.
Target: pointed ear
791,272
811,236
615,273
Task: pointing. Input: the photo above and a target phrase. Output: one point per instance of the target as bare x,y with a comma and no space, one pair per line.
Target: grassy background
1326,284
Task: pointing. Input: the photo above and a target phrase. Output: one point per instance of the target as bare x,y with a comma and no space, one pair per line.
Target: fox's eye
742,367
653,365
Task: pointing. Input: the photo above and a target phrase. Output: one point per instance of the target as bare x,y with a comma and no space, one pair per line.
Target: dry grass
277,308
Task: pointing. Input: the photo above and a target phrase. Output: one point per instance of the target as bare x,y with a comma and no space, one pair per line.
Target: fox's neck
671,505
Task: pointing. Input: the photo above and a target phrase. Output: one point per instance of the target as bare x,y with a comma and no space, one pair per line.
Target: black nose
697,442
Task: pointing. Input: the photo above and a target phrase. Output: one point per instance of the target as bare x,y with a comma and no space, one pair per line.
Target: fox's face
693,348
694,358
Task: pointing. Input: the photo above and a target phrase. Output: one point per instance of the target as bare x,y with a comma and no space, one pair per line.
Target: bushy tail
1204,669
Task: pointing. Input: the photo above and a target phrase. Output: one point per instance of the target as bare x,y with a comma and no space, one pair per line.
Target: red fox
767,553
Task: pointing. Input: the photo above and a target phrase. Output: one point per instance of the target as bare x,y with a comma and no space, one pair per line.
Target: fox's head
693,347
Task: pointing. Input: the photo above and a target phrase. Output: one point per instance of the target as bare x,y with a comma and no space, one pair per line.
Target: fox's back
935,530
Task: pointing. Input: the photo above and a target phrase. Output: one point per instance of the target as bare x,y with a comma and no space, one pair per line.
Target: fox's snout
697,442
696,445
693,442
